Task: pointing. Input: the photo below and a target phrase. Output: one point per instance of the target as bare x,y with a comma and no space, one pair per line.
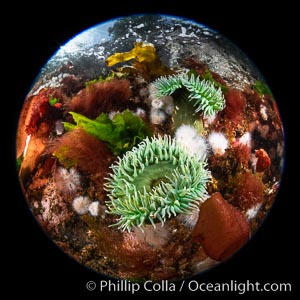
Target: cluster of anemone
188,137
162,176
67,181
197,146
160,107
154,181
218,142
83,205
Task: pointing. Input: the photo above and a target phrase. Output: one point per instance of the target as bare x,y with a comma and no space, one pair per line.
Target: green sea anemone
203,93
154,181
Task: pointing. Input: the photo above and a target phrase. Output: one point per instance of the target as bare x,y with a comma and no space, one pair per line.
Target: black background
32,34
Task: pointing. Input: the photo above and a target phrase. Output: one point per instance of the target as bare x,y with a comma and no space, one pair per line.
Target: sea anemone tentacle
204,95
155,181
167,85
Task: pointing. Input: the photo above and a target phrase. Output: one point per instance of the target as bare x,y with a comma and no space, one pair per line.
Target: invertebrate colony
143,155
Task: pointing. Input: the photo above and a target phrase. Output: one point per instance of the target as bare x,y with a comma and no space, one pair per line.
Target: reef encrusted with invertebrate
152,163
155,181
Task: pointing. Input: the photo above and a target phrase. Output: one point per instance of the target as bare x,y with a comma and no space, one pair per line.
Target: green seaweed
208,76
62,155
100,79
262,88
121,133
19,161
53,101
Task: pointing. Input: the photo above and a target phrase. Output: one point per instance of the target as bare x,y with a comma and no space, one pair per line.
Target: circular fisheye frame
150,148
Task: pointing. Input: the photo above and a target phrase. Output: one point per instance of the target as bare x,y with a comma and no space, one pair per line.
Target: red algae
248,190
41,111
242,154
107,96
235,105
83,150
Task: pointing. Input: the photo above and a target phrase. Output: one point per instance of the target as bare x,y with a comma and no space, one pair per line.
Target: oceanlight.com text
232,286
